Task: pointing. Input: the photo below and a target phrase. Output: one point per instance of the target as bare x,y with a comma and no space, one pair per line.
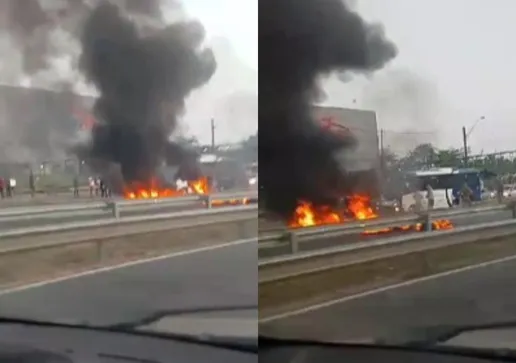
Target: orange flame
358,208
306,214
199,187
153,191
441,224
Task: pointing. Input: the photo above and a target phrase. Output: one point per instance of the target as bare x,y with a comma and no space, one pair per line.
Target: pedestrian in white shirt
430,196
418,201
12,185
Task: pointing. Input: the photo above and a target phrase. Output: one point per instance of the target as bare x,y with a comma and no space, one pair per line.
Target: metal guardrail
295,279
114,207
295,265
127,220
293,237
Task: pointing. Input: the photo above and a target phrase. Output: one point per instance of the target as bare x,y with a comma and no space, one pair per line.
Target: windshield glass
107,211
348,270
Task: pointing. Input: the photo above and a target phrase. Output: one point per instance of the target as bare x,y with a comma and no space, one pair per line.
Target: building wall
359,124
38,124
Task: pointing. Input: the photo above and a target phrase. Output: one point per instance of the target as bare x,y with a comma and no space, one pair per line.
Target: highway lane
478,296
458,221
216,277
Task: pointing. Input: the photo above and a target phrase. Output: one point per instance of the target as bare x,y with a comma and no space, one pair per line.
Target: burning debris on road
300,41
357,208
152,190
441,224
196,187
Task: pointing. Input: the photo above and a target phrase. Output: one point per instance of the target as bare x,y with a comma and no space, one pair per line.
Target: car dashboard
359,353
38,344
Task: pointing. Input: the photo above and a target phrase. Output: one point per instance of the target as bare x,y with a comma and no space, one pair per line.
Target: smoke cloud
142,69
300,41
403,99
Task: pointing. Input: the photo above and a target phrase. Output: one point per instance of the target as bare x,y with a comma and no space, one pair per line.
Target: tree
426,155
389,159
448,158
423,154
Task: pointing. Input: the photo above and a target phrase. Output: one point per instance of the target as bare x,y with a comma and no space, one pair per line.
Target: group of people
96,186
464,196
7,187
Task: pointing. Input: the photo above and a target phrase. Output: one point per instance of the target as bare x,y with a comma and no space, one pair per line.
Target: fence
97,214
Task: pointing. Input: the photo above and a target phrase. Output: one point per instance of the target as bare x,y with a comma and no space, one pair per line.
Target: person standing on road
10,187
2,187
466,195
97,186
102,187
499,190
418,201
430,196
32,184
13,186
91,184
76,186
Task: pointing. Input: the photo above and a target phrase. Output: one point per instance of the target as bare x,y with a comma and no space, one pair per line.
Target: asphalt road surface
478,296
458,221
216,277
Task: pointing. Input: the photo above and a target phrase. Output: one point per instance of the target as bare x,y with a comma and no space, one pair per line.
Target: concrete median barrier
286,286
36,257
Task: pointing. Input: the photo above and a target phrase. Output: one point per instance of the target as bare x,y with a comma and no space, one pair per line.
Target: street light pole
465,136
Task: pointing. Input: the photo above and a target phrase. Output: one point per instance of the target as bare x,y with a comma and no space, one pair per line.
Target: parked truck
361,162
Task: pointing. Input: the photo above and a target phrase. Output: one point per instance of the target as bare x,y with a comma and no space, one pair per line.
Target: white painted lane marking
127,264
383,289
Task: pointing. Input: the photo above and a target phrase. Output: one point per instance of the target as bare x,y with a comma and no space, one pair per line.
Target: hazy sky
231,96
456,63
236,20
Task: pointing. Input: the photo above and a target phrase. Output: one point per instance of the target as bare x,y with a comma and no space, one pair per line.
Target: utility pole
465,135
465,142
212,135
382,155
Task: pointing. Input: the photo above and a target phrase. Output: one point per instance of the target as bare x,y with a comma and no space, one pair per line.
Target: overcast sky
236,20
232,94
455,64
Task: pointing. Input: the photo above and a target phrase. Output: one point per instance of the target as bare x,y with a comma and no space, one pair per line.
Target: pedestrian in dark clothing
499,191
102,187
9,189
467,195
76,186
2,187
32,184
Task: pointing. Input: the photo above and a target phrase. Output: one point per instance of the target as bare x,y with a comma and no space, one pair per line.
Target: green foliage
426,155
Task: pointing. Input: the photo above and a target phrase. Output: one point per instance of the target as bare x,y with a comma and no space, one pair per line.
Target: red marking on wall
329,123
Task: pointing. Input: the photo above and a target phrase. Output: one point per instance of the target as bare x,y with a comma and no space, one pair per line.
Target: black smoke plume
300,41
143,82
